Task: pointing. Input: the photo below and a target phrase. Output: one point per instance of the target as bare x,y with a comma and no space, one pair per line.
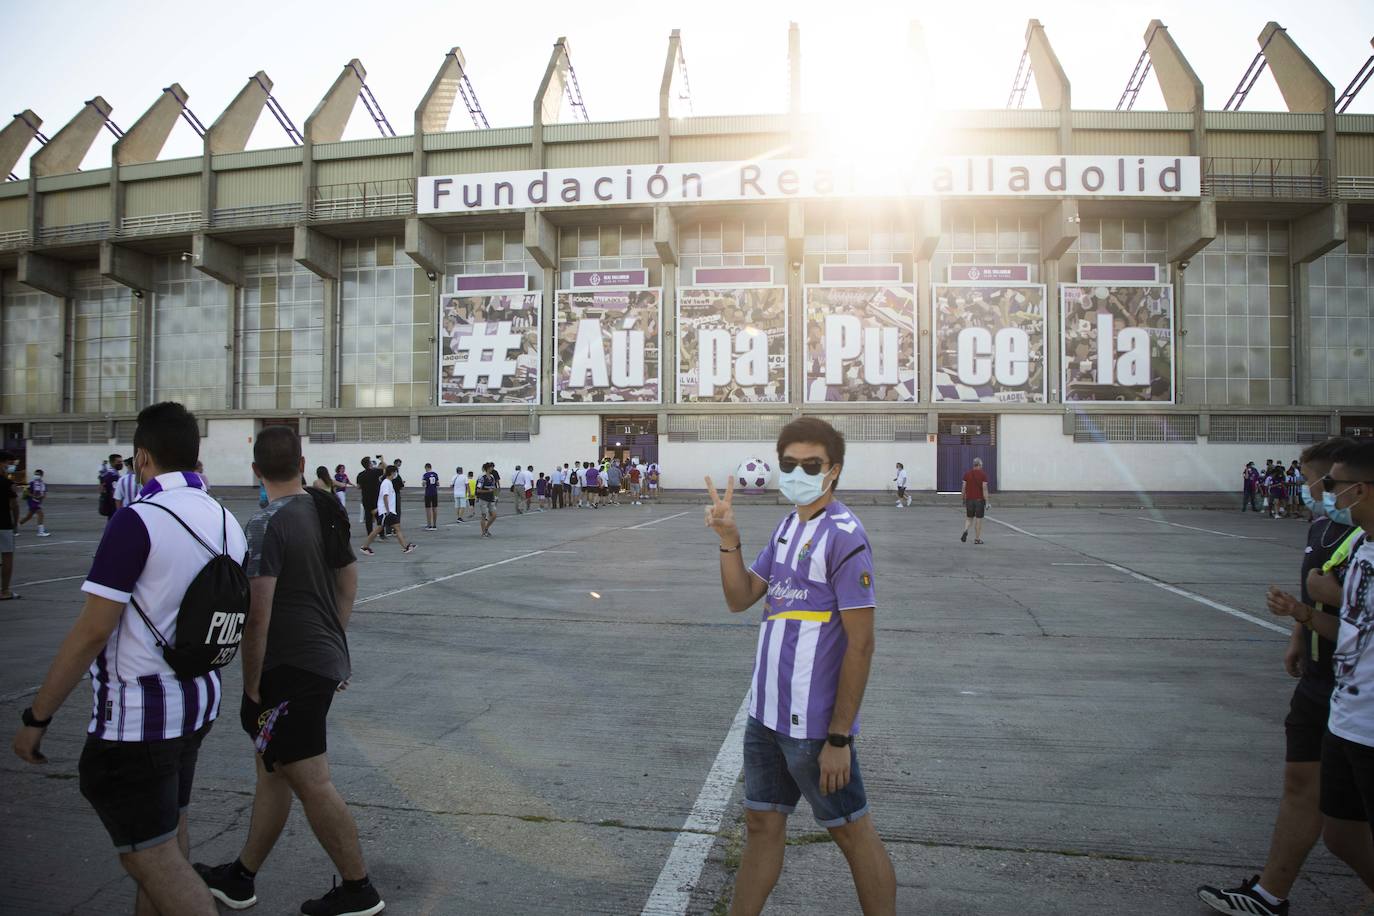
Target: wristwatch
31,722
840,740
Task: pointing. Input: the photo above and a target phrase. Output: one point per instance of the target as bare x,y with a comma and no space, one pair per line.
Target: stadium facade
1088,300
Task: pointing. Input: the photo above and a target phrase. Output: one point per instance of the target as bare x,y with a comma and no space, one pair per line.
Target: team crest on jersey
805,553
865,579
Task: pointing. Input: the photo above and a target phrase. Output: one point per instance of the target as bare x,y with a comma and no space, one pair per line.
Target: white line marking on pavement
1080,564
657,520
52,544
998,521
1242,537
1193,596
411,588
20,695
46,581
1174,589
672,892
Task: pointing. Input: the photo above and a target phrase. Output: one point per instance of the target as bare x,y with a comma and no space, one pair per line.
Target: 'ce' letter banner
860,344
608,346
489,349
1118,343
732,345
989,343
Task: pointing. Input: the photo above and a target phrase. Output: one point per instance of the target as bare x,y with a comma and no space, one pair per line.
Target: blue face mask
1316,508
1339,516
800,488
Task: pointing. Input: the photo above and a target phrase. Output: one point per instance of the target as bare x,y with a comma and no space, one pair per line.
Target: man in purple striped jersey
147,724
810,669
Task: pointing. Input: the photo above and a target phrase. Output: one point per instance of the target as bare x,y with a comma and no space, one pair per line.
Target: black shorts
289,724
432,502
1304,727
901,491
140,788
975,508
1347,779
388,520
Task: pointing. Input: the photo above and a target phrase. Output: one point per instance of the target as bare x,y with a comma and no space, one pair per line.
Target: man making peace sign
810,669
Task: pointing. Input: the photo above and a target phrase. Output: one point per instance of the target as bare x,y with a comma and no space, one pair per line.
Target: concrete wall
1034,454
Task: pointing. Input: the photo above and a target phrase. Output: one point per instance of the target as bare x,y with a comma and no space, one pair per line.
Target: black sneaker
341,901
227,885
964,536
1243,899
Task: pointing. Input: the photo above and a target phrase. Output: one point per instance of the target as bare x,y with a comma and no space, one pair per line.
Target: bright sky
61,52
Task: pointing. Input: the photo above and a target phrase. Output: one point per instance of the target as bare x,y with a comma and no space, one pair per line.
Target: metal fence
1132,427
358,429
502,428
357,199
1263,179
1267,428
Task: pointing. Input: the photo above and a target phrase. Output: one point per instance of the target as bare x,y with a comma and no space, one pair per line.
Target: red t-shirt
973,484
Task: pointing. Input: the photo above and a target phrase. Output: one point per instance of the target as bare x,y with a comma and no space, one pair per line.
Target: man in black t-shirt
295,659
369,483
487,485
398,483
1299,823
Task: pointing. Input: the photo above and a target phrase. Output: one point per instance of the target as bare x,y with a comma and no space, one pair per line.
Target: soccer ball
753,474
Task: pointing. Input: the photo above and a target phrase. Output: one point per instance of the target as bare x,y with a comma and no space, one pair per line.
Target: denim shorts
779,770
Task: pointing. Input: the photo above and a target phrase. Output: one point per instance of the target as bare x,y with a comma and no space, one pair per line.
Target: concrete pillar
796,302
45,274
1058,231
424,245
667,92
1192,230
1303,87
548,101
316,252
218,259
15,138
63,153
925,224
665,243
126,266
549,355
1050,81
436,107
319,254
1182,89
541,239
794,88
230,133
1310,237
144,141
326,124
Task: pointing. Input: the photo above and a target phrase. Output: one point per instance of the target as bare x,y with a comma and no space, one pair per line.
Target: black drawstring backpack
212,613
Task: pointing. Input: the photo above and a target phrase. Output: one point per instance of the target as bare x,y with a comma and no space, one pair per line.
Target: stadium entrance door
627,437
960,440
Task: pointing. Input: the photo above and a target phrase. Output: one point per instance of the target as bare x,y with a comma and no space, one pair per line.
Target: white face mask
800,488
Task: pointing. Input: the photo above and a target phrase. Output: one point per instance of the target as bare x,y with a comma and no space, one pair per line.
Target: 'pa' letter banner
1118,343
608,345
732,345
989,343
489,349
860,344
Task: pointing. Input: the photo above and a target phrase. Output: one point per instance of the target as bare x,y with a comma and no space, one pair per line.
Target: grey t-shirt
285,541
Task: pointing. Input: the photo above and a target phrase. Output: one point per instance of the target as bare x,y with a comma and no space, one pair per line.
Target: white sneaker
45,534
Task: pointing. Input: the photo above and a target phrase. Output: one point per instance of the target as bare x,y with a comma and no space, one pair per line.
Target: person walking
575,479
343,484
324,481
517,489
486,497
1250,478
1298,824
815,650
975,492
369,485
459,484
1347,755
636,484
614,479
137,769
472,492
109,476
431,482
37,492
903,501
304,580
527,485
386,515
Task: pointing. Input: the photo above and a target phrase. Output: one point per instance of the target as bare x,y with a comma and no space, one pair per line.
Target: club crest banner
989,343
1118,343
489,349
608,346
732,345
860,344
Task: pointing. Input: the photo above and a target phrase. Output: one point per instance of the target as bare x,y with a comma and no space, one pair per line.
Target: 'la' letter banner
860,344
732,345
489,349
608,345
989,343
1118,343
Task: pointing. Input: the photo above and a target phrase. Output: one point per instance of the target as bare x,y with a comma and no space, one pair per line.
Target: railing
361,199
1265,179
78,232
1355,186
17,238
156,223
254,216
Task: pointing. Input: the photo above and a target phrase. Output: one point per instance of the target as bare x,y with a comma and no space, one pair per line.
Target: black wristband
839,740
31,722
731,549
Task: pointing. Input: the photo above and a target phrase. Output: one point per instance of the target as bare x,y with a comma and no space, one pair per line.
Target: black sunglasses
1329,483
812,466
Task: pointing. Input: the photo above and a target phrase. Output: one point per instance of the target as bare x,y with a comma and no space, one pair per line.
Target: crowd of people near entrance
1276,490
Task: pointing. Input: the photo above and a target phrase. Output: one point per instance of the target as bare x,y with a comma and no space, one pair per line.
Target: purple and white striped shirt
815,571
145,555
126,488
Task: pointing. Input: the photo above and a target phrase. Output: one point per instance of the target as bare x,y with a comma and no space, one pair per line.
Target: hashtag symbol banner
489,349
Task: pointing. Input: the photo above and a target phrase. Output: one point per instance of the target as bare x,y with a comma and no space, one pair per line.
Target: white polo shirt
145,556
